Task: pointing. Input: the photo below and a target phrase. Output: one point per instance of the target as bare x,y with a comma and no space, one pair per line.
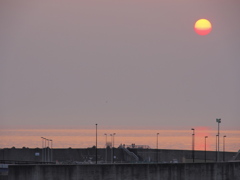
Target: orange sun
203,27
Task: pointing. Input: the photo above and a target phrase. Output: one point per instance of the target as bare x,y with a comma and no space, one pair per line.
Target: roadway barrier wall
180,171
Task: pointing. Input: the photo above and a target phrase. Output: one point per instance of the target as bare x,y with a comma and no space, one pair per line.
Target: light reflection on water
83,138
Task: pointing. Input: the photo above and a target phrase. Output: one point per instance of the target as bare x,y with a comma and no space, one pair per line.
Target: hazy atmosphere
121,64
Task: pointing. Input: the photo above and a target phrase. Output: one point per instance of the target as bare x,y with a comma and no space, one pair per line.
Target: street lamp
45,150
51,149
42,148
218,121
224,147
193,143
157,147
106,148
113,147
206,148
48,159
112,140
96,143
216,147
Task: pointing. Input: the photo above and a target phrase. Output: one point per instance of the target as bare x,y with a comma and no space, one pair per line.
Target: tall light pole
42,148
157,147
112,139
48,158
218,121
206,148
113,146
51,149
193,143
224,148
96,143
106,148
45,149
216,147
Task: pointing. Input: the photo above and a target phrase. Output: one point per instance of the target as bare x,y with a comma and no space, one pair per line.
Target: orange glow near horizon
203,27
83,138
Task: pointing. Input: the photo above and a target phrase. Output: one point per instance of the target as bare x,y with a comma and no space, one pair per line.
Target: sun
203,27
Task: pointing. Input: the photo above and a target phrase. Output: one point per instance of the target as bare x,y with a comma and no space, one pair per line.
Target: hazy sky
119,63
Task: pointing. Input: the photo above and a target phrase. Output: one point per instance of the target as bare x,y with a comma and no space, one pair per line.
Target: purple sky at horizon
127,64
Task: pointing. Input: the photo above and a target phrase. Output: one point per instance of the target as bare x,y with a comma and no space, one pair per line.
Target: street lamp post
51,150
112,139
42,148
193,143
96,143
216,147
48,154
106,149
113,146
218,121
157,147
224,148
45,149
206,148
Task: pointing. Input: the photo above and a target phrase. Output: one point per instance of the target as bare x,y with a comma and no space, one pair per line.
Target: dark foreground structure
121,155
120,164
180,171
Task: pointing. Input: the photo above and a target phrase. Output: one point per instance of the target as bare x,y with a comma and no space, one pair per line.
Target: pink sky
82,138
131,64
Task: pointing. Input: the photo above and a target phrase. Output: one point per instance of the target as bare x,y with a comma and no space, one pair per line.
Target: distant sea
84,138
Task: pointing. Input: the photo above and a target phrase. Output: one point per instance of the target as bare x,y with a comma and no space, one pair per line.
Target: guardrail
23,162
